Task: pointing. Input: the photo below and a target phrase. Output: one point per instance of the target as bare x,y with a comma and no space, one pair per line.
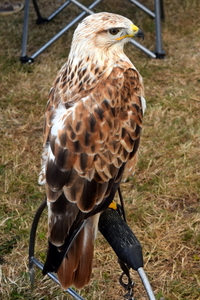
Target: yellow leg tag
113,205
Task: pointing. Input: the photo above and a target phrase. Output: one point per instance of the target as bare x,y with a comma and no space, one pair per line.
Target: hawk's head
103,31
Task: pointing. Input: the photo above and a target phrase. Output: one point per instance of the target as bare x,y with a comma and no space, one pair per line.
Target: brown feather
76,269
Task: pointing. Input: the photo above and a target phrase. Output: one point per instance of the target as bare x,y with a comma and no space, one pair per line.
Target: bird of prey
92,130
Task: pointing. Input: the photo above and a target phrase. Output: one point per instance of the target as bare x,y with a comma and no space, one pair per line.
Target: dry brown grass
162,200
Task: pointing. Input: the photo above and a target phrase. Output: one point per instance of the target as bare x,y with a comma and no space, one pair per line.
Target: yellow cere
113,205
134,29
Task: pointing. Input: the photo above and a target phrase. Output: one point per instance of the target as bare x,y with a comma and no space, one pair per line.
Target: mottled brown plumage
91,136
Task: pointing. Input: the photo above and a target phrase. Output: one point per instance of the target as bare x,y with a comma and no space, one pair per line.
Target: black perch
120,237
125,244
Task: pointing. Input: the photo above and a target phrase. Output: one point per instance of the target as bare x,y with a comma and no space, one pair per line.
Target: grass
162,200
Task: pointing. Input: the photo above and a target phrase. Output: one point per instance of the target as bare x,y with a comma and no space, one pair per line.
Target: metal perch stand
120,237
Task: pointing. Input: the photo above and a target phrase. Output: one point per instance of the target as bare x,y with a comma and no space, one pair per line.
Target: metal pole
55,13
37,10
142,48
146,283
25,28
83,7
159,51
55,279
144,8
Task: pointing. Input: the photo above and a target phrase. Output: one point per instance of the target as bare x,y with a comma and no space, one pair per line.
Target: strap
127,286
125,268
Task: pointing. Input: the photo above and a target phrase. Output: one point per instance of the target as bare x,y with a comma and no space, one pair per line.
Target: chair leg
162,11
40,19
144,8
159,52
24,58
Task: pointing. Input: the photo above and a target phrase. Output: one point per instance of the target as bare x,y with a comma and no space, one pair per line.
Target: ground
162,199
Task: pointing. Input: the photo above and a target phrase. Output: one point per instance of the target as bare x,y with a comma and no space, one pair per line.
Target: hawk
92,130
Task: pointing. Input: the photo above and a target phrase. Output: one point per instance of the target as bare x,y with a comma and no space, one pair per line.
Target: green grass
162,200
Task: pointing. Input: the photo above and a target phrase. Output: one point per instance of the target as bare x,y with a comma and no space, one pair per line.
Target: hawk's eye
113,31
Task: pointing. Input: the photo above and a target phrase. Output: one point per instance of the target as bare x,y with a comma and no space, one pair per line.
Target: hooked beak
139,33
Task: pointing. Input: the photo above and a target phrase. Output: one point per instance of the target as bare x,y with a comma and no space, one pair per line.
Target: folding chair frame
157,15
